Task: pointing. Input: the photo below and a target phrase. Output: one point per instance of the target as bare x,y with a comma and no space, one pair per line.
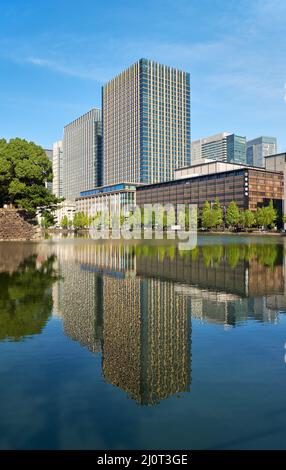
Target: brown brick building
249,187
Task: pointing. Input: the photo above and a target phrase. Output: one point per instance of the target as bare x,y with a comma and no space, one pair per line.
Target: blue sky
56,54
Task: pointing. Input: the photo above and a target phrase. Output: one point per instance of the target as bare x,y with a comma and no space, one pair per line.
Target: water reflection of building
146,348
134,304
166,326
223,286
80,305
142,326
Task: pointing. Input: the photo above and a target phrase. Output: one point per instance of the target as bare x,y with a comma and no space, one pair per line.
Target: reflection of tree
267,255
26,298
213,255
233,255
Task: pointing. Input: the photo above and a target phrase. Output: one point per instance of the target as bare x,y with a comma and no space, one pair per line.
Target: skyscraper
258,149
49,184
58,168
82,154
236,149
146,123
224,147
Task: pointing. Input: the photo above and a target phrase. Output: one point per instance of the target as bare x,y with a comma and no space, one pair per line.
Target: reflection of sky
54,394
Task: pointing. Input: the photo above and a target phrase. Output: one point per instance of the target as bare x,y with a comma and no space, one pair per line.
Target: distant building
249,187
112,198
146,123
278,163
224,147
65,209
236,149
49,185
258,149
82,154
58,168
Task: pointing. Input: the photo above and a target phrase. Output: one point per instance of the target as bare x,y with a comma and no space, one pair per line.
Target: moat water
109,345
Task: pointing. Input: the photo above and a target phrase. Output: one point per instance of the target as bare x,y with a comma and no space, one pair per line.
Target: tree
266,216
207,216
247,219
232,215
271,215
80,221
217,214
95,221
136,219
184,218
65,222
47,219
24,170
169,218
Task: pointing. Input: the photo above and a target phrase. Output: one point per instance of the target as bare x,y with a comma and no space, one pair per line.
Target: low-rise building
112,198
249,187
278,163
65,208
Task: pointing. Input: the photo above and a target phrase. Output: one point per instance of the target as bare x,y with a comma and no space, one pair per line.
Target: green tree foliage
247,219
266,216
95,221
207,216
147,217
136,219
24,169
169,218
80,221
25,298
212,217
47,219
184,218
232,215
65,222
217,214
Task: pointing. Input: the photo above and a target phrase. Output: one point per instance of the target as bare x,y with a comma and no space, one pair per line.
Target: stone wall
14,225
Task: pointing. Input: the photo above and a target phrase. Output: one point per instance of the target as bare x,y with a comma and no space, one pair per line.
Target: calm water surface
105,345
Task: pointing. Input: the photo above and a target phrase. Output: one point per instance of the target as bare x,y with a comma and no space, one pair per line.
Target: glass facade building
82,157
224,147
113,199
146,123
49,184
248,187
236,149
58,168
258,149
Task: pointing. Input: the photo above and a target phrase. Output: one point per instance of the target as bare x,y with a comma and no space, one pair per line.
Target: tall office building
146,123
225,147
258,149
236,149
58,168
49,184
82,157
